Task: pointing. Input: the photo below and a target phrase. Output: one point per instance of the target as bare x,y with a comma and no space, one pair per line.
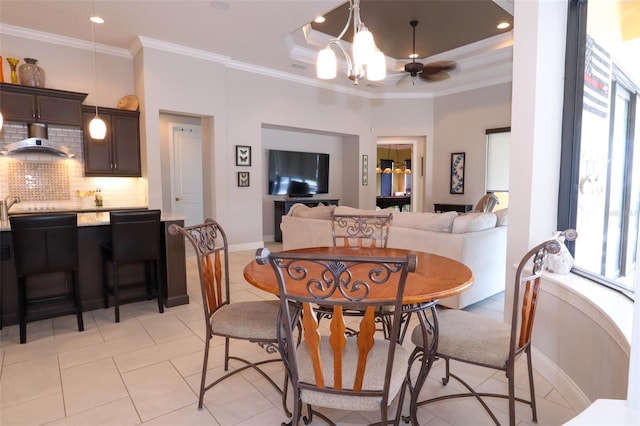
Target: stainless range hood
37,142
37,145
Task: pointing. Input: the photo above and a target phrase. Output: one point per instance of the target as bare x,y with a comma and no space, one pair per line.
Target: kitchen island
93,229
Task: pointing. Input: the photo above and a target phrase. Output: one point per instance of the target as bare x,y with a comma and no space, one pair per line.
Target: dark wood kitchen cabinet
119,153
36,104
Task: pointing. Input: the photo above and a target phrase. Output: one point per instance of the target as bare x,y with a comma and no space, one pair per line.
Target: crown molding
74,43
178,49
506,5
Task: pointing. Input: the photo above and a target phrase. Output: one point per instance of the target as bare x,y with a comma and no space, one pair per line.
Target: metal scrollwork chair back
350,230
360,230
254,321
474,339
329,368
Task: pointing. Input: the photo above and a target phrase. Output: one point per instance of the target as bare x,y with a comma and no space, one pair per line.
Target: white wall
586,347
461,121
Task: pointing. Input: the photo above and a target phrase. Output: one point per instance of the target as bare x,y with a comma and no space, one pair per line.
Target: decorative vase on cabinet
31,74
13,63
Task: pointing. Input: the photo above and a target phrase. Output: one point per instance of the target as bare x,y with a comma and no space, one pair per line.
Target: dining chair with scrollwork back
329,368
350,230
253,321
477,340
486,204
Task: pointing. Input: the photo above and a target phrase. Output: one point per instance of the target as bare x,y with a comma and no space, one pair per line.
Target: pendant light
388,170
398,169
97,126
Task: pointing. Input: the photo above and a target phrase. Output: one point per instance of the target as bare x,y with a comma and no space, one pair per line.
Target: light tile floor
146,370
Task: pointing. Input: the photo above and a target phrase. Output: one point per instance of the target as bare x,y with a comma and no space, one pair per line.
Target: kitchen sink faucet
5,205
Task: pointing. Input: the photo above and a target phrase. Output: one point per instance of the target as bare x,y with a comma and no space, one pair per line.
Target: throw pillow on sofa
473,222
438,222
318,212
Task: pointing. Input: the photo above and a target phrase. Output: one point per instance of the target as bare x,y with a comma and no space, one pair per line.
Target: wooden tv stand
282,207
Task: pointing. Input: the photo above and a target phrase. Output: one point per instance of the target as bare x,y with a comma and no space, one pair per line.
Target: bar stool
46,244
135,238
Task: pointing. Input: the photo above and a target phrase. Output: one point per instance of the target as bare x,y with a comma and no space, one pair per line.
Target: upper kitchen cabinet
35,104
119,153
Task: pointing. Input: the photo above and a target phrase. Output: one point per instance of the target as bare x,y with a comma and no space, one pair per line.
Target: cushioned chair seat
467,336
246,320
373,378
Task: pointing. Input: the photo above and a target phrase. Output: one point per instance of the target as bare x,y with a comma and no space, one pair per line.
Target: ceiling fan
433,71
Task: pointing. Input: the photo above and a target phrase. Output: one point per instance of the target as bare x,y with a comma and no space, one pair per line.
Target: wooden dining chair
329,368
254,321
474,339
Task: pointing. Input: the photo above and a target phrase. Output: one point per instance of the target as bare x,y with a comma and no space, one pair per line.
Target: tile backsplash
38,181
46,181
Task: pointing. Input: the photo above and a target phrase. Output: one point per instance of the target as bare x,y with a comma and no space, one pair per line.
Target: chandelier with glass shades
399,169
367,61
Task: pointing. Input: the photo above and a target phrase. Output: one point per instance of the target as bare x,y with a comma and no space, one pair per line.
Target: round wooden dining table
435,277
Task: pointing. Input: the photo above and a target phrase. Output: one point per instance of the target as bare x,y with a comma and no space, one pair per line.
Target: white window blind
497,176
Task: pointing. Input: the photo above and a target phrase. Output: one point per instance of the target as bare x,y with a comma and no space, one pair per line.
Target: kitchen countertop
19,209
93,218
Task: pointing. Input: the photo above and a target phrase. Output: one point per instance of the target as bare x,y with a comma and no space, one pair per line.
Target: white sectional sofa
478,240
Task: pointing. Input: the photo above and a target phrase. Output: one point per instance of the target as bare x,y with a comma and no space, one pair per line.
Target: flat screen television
298,174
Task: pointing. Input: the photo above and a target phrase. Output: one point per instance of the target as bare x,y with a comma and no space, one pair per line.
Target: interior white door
187,173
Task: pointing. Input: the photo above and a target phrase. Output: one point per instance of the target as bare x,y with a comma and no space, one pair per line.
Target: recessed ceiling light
319,20
96,19
503,25
413,55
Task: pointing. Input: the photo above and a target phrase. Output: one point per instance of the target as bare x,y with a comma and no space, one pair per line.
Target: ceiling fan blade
436,76
438,66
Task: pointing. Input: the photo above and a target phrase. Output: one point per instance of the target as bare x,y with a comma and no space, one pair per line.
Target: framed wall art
457,173
243,155
243,178
365,170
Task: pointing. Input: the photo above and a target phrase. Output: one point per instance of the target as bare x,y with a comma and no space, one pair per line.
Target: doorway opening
396,179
